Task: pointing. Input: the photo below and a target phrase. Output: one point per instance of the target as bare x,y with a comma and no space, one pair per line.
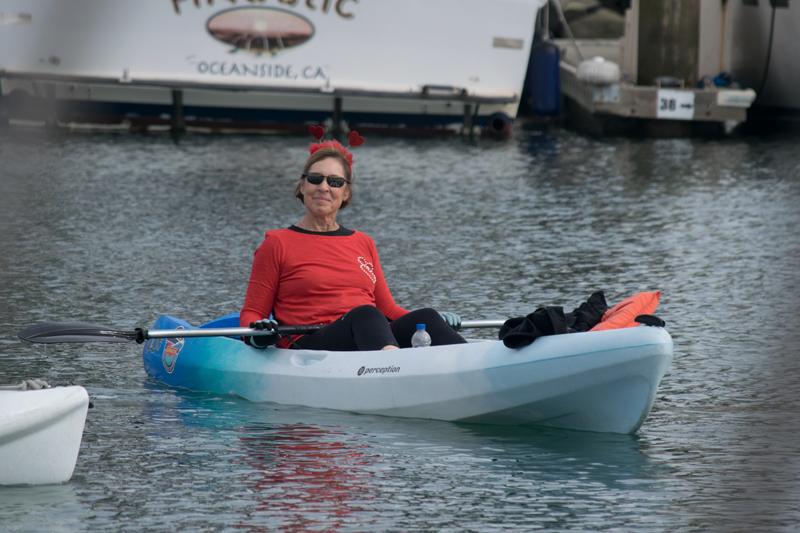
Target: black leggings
366,328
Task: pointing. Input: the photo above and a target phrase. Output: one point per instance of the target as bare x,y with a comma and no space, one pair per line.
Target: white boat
40,434
602,381
283,63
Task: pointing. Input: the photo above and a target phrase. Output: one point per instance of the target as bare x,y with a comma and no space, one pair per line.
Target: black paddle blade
55,332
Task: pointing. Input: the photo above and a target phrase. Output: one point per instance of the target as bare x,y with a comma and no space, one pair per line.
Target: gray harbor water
117,228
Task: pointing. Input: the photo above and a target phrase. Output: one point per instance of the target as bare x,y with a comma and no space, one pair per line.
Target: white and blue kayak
603,381
40,434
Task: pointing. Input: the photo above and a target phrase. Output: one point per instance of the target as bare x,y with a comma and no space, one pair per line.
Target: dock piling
337,117
672,43
178,123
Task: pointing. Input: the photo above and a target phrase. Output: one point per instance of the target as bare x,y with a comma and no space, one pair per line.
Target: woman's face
323,200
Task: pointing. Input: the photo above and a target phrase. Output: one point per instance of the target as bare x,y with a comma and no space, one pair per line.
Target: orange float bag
623,314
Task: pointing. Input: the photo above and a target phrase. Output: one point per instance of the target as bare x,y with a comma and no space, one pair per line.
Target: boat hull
40,434
598,381
179,64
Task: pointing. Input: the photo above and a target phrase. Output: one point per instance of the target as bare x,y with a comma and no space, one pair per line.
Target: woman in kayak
319,272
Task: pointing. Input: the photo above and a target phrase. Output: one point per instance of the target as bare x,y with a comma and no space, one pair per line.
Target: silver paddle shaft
468,324
285,330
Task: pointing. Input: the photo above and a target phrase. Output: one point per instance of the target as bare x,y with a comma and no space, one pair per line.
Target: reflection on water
117,229
337,470
306,477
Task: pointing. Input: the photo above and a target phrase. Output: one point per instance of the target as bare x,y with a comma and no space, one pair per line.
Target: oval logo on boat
170,352
260,30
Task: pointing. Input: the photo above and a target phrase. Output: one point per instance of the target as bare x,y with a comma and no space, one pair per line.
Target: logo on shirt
367,268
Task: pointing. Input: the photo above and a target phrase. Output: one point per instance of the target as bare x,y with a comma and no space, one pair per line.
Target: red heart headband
353,139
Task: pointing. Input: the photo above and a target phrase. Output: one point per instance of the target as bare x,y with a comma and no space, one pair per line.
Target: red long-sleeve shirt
314,278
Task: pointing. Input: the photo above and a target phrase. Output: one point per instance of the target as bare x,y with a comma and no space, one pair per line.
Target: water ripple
117,229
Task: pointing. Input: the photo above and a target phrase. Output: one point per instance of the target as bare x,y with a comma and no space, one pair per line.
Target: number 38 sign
676,105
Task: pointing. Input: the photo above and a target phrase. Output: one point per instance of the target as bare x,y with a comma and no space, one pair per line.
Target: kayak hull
602,381
40,434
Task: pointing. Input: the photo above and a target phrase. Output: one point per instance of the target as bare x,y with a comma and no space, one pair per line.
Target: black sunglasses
333,181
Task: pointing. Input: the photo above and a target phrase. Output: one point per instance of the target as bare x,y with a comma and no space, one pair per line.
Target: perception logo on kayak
365,371
172,349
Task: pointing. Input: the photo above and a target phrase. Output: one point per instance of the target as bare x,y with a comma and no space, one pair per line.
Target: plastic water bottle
420,337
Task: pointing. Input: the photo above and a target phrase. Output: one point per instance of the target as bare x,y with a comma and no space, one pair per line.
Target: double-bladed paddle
58,332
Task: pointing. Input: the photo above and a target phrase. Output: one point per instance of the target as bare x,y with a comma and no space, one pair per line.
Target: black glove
262,341
265,324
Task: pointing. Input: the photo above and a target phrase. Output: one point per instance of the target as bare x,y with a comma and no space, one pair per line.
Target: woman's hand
452,319
262,341
265,324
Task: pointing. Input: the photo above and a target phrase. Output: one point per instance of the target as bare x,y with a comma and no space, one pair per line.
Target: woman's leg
361,328
405,326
